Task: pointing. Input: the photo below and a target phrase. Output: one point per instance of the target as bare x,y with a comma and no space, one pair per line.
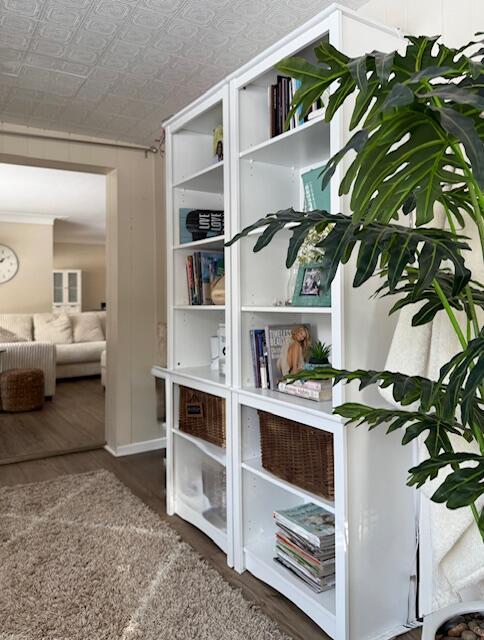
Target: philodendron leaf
400,96
462,487
428,469
464,130
395,246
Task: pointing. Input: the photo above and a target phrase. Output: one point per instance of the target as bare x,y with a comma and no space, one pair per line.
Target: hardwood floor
72,421
144,475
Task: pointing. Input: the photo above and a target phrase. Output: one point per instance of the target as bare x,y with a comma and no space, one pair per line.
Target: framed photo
308,291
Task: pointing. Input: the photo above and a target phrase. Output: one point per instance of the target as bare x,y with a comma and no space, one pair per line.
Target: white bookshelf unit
373,510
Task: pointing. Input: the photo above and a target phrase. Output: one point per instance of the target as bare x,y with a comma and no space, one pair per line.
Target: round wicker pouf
21,390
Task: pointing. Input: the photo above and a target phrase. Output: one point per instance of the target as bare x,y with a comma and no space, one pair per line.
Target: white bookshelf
372,508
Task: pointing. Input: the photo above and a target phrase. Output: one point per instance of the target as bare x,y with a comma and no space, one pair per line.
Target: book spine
189,264
270,371
300,392
255,362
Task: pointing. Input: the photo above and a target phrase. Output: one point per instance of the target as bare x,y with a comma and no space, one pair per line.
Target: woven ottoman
21,390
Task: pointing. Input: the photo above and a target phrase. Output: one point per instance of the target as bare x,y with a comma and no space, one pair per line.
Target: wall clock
8,264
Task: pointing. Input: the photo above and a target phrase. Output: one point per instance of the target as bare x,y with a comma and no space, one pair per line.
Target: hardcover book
280,342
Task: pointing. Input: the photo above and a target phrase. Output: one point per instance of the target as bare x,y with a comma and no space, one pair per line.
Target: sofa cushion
52,328
10,336
79,352
86,327
18,323
102,317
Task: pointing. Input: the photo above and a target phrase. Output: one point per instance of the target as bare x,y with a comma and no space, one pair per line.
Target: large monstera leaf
415,109
381,246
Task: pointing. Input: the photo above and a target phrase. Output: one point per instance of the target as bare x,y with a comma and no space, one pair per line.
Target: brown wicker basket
202,415
297,453
21,390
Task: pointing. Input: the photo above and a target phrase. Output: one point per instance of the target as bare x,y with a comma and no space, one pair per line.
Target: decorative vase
434,621
291,283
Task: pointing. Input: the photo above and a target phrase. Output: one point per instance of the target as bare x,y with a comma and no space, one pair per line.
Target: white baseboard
136,447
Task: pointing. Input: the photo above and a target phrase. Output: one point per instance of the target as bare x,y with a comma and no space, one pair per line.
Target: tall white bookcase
374,511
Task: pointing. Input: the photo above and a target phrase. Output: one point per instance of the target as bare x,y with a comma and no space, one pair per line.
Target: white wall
131,266
455,20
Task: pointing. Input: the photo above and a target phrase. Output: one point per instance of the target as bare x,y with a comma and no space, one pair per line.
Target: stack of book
318,390
204,268
281,96
305,545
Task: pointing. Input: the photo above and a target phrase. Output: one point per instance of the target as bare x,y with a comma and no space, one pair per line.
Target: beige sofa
63,346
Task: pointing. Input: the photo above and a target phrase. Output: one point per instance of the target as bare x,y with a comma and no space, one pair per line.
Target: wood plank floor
72,421
145,476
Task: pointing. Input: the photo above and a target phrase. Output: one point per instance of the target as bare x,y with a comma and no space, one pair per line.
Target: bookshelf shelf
285,309
216,241
219,536
216,453
372,507
209,179
300,147
269,400
259,556
199,307
204,374
254,466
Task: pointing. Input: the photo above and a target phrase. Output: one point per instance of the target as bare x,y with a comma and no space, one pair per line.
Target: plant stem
450,313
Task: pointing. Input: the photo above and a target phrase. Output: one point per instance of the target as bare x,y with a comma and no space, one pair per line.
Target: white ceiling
117,68
77,201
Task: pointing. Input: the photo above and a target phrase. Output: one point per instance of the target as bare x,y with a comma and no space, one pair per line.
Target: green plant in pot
319,355
417,144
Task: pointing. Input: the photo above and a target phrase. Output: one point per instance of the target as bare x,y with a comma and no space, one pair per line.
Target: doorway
53,311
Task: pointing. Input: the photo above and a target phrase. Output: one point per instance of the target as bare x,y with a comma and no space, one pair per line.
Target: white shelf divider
209,179
285,309
254,465
216,453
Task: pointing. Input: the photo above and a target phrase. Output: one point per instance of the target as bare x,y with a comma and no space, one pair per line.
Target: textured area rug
82,558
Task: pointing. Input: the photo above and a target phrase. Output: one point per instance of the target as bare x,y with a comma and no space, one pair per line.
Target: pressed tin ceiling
117,68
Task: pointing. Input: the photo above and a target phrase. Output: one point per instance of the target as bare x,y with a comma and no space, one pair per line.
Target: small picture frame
308,291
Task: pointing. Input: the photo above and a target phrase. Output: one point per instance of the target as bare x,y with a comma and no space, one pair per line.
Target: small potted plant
456,622
319,355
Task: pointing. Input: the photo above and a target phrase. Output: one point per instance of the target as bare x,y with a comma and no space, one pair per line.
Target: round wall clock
8,264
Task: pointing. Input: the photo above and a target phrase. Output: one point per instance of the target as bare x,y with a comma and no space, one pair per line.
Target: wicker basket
21,390
298,454
202,415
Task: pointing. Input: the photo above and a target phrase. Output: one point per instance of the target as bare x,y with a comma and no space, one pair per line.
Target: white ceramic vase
433,621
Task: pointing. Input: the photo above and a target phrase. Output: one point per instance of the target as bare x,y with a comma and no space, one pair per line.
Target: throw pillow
9,336
18,323
86,327
52,328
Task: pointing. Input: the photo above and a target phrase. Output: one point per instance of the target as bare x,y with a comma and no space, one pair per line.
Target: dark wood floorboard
144,474
72,421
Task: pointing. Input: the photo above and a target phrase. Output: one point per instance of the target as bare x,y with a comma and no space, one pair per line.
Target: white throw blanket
457,550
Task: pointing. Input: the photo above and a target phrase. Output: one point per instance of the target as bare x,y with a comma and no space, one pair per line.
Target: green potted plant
417,141
319,355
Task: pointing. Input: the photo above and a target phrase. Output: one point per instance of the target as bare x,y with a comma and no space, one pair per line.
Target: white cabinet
373,509
67,290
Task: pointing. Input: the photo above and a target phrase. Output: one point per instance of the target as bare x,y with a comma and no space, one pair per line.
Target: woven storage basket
298,454
202,415
21,390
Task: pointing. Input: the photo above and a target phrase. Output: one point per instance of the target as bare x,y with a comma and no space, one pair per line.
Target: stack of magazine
305,544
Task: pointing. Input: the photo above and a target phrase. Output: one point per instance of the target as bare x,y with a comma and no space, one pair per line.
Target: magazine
287,347
309,521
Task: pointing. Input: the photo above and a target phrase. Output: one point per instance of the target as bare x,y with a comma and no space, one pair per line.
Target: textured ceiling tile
27,7
119,67
18,24
47,47
55,33
77,53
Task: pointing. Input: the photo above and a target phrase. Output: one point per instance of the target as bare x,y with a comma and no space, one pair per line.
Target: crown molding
29,218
